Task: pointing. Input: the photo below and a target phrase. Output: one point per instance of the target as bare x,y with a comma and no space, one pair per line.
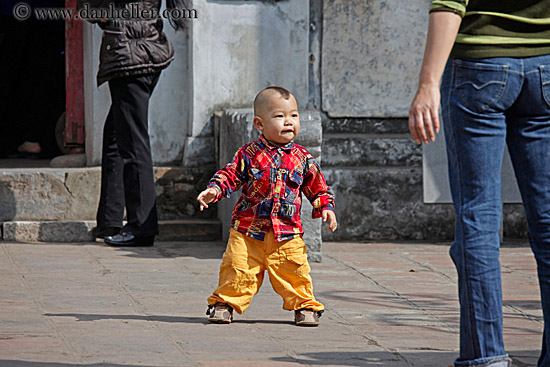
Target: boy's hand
207,196
331,217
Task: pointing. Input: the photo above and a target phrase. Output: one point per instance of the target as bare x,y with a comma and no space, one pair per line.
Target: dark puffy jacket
131,46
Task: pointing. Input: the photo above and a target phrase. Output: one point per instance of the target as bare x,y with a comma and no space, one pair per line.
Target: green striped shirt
499,28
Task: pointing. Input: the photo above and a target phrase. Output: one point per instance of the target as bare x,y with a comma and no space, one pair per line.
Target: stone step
79,231
72,194
367,150
190,230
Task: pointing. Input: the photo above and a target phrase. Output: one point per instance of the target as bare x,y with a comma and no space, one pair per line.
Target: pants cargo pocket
296,263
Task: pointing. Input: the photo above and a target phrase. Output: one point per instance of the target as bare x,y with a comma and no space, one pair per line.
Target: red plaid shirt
272,180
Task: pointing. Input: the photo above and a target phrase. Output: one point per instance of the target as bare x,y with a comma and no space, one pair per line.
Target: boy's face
278,120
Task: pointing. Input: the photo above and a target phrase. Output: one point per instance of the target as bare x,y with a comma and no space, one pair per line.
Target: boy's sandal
307,317
220,313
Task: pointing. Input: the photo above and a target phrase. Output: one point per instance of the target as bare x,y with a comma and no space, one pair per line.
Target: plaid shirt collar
271,147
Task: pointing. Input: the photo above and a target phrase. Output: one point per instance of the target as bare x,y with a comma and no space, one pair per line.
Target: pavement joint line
446,327
364,334
40,308
514,309
534,280
517,310
358,330
166,253
139,308
534,318
291,353
427,267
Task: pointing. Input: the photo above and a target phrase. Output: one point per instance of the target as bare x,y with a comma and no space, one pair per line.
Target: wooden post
74,83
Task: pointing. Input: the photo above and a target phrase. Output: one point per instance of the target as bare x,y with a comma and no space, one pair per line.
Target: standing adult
495,90
133,53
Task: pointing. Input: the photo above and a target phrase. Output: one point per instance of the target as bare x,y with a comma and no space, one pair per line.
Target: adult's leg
475,96
111,201
130,97
529,146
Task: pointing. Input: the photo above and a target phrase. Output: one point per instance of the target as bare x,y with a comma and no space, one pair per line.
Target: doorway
32,93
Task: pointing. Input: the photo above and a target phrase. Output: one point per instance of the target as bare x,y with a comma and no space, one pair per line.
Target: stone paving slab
388,304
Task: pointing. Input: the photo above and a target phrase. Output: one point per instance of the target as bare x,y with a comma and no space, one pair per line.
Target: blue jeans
485,104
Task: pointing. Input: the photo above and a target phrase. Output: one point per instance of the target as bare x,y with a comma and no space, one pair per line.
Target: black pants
127,165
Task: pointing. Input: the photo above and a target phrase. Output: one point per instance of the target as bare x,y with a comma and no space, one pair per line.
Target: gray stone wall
371,52
378,183
375,170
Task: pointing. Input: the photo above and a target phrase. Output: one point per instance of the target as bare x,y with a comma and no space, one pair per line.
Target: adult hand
424,111
424,114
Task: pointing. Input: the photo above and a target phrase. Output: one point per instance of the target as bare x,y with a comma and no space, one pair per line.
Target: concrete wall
370,56
237,49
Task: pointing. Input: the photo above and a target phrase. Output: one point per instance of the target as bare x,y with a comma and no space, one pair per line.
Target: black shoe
102,232
128,239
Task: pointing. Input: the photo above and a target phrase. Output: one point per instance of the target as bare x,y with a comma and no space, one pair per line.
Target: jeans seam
501,92
544,94
505,70
464,270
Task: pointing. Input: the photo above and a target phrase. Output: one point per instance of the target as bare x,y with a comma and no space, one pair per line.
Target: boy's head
276,115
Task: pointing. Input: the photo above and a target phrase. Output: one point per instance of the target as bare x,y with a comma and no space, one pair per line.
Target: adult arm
424,111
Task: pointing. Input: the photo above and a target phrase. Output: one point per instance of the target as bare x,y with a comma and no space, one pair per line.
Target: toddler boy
266,230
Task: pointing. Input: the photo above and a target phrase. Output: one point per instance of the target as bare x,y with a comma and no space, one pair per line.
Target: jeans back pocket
479,86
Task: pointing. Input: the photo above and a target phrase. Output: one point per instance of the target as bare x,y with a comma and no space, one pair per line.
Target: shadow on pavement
196,250
169,319
96,317
14,363
395,359
359,359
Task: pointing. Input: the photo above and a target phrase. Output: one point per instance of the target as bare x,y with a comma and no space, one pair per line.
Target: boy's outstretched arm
207,196
330,216
227,180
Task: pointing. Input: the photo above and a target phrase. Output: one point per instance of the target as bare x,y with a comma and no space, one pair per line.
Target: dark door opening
32,93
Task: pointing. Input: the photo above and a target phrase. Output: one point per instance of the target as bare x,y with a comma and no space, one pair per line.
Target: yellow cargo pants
244,263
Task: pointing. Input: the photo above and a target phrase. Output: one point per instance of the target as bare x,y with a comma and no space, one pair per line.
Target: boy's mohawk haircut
258,100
